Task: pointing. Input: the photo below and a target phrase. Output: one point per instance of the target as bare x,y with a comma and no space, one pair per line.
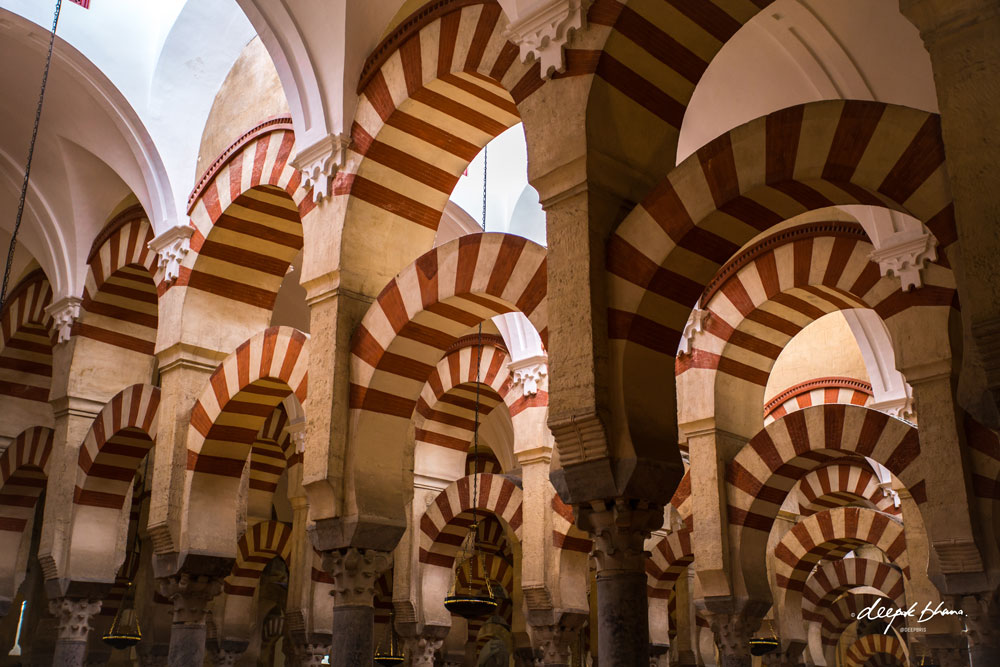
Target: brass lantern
392,654
764,645
470,596
124,631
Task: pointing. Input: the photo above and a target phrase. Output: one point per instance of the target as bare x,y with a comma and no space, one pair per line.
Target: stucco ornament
545,31
904,255
320,162
172,246
64,313
529,372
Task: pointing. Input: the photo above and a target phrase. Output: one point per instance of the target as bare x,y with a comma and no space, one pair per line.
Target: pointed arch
405,332
119,295
431,96
665,253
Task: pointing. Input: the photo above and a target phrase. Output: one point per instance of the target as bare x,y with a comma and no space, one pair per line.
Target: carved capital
308,654
420,650
904,255
73,617
354,572
544,32
620,528
982,618
226,657
171,247
555,641
190,595
320,161
64,313
529,372
732,633
694,325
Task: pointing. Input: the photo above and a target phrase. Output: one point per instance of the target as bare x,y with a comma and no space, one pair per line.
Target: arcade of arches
729,344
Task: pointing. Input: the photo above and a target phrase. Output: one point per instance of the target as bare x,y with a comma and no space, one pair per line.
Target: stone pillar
683,643
310,652
229,655
190,594
963,40
152,656
555,641
982,620
354,572
420,650
620,528
732,633
73,625
787,656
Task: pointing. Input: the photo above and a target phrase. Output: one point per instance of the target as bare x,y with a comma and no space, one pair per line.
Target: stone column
73,625
620,528
732,632
963,40
786,656
982,621
190,594
226,657
354,573
420,650
152,656
555,641
310,652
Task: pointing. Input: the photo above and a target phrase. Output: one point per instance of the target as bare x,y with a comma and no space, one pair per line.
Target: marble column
154,655
554,641
310,652
72,626
354,572
620,528
190,595
732,633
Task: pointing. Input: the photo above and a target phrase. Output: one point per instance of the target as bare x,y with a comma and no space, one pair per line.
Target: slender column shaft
354,573
190,595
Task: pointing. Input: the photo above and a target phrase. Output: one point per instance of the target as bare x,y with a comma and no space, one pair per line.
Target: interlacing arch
26,355
833,578
119,296
247,211
877,650
841,484
664,254
817,392
830,534
24,469
767,294
261,544
766,469
432,94
440,536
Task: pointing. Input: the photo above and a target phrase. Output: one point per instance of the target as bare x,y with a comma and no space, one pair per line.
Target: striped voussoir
817,392
26,355
264,542
770,292
769,466
447,403
272,452
485,462
119,296
118,440
432,302
668,559
668,249
840,484
984,448
565,534
241,394
877,650
23,474
833,578
442,529
652,58
429,101
248,221
842,612
830,534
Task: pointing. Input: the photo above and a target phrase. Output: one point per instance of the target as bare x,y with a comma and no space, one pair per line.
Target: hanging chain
27,168
485,154
479,359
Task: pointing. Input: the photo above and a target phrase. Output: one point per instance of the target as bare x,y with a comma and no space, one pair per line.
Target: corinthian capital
73,617
354,572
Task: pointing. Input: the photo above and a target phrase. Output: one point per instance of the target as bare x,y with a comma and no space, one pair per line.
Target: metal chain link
31,154
485,154
479,359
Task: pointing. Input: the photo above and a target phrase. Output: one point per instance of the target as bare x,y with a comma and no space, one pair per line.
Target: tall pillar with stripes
962,39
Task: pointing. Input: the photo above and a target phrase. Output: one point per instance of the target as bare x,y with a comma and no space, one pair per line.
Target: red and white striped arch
767,468
665,253
261,544
432,95
840,614
440,533
119,296
24,469
984,450
247,212
830,534
565,534
26,355
241,394
833,578
842,484
669,559
445,410
272,453
120,437
818,392
877,650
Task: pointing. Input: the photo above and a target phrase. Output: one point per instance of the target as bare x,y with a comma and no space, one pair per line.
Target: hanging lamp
124,631
392,654
763,645
471,597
